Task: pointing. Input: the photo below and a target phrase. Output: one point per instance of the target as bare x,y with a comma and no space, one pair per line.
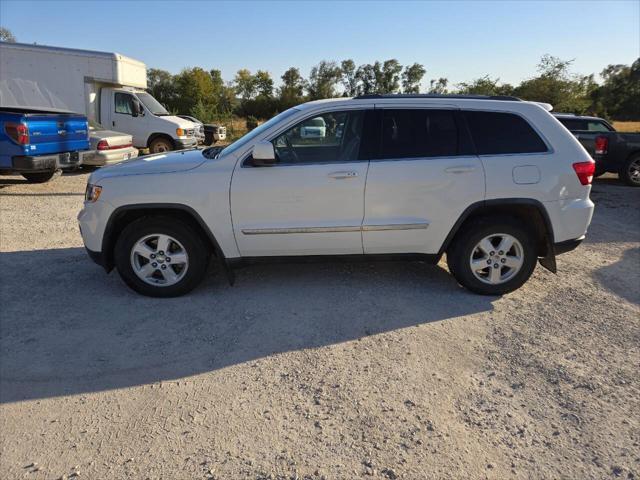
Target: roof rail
432,95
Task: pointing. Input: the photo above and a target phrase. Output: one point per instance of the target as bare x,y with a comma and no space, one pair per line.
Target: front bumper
185,143
46,163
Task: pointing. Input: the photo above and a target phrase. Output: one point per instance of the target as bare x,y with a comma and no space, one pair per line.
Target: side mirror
263,154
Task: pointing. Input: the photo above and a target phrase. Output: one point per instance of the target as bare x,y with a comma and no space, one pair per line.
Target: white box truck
108,88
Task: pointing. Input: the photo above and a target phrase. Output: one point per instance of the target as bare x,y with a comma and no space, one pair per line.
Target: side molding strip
364,228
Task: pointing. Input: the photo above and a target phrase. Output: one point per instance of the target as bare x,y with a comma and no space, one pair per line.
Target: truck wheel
39,177
492,257
160,144
630,171
161,257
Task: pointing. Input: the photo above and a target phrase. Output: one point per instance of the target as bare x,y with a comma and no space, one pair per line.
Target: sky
460,40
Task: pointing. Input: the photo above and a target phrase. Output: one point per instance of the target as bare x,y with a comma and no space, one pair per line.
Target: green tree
194,86
439,86
264,83
387,76
245,84
292,90
349,78
556,85
323,80
619,96
366,78
484,86
6,35
161,85
411,78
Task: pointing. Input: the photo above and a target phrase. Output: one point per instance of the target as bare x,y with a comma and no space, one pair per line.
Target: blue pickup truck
36,143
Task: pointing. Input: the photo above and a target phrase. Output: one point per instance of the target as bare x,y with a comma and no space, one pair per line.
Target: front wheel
630,171
39,177
160,144
161,257
492,258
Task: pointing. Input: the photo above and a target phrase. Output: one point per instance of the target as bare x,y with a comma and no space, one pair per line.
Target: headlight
92,193
181,132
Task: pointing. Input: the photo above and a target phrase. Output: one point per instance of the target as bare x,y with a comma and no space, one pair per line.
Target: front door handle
343,174
460,169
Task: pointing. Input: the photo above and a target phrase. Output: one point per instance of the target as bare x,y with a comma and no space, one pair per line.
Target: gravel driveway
335,371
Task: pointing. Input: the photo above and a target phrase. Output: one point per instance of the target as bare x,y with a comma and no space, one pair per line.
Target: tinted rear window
418,133
573,124
497,133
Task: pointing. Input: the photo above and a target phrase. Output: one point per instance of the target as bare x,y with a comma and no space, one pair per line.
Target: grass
627,126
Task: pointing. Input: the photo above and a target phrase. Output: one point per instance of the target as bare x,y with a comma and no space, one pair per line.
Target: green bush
252,122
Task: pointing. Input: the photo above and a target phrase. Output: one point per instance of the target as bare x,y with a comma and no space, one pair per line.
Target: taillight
18,132
104,145
602,145
585,171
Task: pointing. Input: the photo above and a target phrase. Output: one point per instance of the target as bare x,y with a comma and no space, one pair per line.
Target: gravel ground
333,371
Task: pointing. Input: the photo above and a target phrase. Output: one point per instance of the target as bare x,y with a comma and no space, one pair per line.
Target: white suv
494,182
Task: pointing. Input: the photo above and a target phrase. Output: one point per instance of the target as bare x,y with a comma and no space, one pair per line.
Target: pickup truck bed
615,152
37,143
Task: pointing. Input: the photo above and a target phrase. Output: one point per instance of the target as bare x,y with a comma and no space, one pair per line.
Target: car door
123,119
423,177
311,202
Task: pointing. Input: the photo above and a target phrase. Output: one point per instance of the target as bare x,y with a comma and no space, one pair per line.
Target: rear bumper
105,157
45,163
567,245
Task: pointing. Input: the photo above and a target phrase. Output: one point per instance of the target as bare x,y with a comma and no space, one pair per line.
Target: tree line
205,95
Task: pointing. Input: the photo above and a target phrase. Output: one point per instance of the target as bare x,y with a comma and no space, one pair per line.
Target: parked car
107,146
314,128
493,182
199,127
37,143
214,133
613,151
107,87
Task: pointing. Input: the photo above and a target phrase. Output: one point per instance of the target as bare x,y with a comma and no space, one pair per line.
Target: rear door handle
460,169
343,174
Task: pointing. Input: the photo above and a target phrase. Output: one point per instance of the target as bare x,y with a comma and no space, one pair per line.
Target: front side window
124,103
496,133
328,137
418,133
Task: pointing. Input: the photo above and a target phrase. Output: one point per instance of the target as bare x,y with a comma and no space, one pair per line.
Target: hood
152,164
181,122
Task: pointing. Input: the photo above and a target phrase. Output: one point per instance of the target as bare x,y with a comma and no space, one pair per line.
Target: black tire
161,144
630,172
191,240
460,252
39,177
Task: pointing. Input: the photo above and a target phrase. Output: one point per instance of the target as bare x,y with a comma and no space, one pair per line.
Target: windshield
257,131
152,104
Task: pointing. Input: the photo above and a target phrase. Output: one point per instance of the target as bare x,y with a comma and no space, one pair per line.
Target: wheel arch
531,211
156,135
124,215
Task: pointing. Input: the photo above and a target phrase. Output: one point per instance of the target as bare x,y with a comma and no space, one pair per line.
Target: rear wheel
161,257
39,177
160,144
630,171
492,258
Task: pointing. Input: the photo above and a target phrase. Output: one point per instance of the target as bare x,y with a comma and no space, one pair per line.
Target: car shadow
67,328
615,277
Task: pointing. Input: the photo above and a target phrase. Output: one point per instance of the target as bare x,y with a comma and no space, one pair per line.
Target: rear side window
496,133
418,133
572,124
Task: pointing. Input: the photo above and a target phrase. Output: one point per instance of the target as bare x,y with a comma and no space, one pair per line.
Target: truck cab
145,119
